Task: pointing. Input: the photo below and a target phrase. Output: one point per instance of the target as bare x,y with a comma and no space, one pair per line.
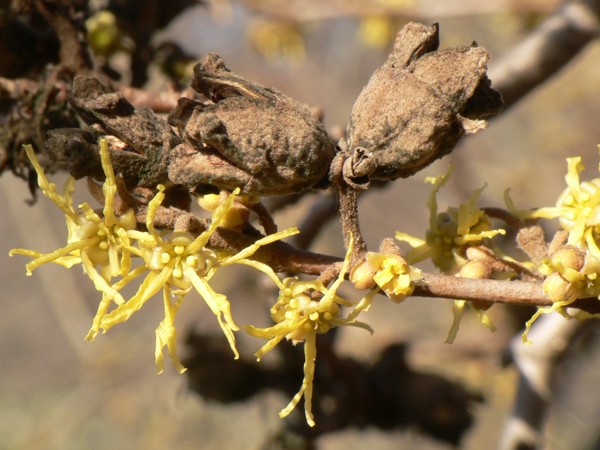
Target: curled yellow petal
166,334
306,390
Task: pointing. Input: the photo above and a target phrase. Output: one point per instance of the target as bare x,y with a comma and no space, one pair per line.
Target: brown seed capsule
251,137
417,106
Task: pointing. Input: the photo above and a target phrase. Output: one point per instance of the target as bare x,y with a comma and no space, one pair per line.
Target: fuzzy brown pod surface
144,138
248,136
417,106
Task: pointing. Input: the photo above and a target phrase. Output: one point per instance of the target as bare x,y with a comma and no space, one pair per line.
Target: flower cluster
99,242
571,272
299,315
388,271
449,243
172,261
450,233
123,244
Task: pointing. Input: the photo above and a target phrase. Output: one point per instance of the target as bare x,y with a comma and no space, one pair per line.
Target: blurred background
59,392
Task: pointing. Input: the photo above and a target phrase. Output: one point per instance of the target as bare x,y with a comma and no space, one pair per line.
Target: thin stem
348,201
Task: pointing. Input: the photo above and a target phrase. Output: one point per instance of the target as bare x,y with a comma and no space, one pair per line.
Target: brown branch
522,293
60,16
322,211
348,204
280,256
496,291
264,217
551,46
16,89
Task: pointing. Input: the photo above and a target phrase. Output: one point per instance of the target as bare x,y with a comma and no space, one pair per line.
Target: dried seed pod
417,106
148,138
251,137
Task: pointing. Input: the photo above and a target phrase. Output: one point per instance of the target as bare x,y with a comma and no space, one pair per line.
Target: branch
323,210
497,291
551,337
522,293
552,45
15,89
299,11
348,201
280,256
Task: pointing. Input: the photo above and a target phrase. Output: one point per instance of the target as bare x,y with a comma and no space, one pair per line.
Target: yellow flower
390,272
571,273
577,209
299,317
176,262
93,240
450,236
450,233
239,213
578,212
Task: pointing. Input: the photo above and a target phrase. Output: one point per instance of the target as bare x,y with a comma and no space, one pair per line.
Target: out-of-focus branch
315,10
551,337
323,210
162,102
14,89
555,42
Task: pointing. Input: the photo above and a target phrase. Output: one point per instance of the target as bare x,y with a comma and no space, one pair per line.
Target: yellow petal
218,304
99,282
330,295
410,240
153,283
109,188
250,250
485,320
217,217
152,209
264,268
574,168
166,334
100,313
457,312
306,390
438,182
48,188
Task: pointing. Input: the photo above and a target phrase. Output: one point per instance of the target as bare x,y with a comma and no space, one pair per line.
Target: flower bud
558,289
568,257
362,276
